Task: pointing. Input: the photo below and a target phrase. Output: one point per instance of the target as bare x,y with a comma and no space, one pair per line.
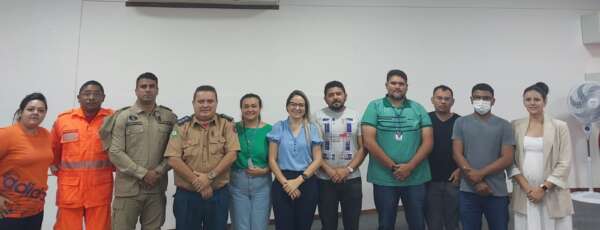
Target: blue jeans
193,213
472,206
250,200
413,200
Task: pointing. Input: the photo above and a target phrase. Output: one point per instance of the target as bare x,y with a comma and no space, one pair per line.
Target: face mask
482,107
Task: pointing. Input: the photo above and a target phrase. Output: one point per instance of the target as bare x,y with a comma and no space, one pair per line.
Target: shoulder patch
183,120
164,107
66,112
226,117
123,109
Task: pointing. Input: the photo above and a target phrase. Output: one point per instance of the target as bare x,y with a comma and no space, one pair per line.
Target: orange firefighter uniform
85,174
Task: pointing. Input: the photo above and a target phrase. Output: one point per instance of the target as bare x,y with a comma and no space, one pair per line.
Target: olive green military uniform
136,144
202,148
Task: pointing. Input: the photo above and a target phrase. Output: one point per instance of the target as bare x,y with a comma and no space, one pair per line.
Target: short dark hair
396,72
332,84
26,100
539,87
483,87
298,92
206,88
443,88
148,76
91,82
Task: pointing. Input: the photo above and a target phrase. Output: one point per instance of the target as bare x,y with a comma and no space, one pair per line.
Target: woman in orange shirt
25,154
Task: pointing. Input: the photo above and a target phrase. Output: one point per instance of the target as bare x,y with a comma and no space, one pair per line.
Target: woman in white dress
541,197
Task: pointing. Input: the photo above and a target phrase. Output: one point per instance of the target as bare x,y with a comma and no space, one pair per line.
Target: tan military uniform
202,148
136,145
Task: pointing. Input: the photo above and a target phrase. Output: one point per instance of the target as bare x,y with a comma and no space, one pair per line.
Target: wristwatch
304,176
544,187
350,169
211,175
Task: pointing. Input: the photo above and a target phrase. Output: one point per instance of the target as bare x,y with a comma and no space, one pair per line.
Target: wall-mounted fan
584,105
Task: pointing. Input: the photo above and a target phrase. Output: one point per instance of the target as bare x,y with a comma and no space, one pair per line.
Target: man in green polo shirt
397,132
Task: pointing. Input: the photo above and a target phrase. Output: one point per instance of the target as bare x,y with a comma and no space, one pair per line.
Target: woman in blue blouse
294,156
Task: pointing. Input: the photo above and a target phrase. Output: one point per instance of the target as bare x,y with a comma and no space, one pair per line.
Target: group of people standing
444,168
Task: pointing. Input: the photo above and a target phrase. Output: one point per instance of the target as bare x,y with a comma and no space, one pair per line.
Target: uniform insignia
174,133
122,109
226,117
183,120
132,118
164,107
157,115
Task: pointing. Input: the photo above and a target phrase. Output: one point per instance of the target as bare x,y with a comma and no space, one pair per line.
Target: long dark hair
25,101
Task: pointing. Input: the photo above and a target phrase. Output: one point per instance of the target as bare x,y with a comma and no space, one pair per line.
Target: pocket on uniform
69,190
217,146
118,204
165,128
70,143
104,179
190,150
103,187
134,129
69,136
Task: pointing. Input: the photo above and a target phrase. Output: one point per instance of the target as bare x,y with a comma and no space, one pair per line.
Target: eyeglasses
296,105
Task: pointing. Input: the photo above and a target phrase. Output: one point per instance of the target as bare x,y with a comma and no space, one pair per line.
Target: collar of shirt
204,125
387,103
78,112
137,109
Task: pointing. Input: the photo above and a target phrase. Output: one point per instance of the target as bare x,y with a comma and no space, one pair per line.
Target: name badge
69,136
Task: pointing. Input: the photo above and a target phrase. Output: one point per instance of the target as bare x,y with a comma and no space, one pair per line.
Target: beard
397,96
336,106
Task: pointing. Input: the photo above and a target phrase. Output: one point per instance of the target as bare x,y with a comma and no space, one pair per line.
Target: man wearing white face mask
483,149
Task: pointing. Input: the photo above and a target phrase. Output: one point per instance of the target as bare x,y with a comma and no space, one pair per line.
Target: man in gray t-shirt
483,146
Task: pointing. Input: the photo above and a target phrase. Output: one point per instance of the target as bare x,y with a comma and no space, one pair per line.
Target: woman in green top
250,175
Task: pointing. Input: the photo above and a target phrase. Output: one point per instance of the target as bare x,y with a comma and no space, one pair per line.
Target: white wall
55,46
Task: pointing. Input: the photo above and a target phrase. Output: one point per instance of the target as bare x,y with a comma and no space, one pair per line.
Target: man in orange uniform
84,172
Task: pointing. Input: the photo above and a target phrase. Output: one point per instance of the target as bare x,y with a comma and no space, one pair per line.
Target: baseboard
583,189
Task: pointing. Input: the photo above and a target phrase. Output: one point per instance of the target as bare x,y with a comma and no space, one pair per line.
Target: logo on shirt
11,182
